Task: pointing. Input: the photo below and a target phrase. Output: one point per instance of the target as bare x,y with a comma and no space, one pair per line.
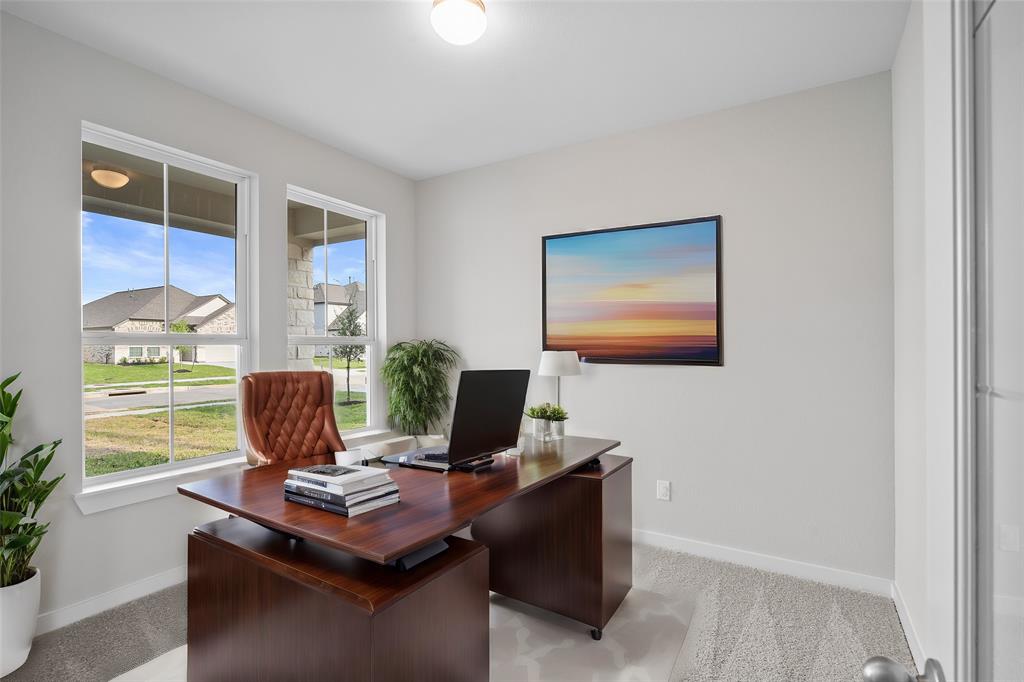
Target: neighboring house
338,298
142,310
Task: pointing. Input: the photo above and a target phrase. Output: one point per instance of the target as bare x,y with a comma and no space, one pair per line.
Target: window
334,303
164,263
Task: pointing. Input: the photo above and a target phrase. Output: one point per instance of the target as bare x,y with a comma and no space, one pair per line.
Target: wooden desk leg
566,547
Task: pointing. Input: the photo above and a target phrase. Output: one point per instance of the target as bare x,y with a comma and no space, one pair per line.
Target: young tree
182,327
347,324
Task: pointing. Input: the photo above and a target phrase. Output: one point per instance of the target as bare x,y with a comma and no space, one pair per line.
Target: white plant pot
19,608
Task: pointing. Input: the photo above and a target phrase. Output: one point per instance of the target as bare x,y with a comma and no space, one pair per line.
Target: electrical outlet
664,490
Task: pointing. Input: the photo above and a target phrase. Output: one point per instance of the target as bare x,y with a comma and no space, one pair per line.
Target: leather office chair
288,415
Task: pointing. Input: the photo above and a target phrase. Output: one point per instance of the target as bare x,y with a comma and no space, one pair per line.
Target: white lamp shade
559,363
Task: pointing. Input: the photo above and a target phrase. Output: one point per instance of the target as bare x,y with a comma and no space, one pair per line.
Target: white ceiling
372,78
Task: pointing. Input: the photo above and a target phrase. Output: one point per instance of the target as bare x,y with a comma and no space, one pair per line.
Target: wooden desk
263,608
256,596
433,506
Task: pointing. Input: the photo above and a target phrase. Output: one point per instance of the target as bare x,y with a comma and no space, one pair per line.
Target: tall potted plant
416,375
23,490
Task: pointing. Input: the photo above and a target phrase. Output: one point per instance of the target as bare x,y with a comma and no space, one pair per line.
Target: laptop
488,413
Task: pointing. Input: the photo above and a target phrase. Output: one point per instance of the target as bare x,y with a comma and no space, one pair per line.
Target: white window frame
246,277
375,339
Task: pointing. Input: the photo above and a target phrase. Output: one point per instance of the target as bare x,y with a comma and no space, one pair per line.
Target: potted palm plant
416,374
23,490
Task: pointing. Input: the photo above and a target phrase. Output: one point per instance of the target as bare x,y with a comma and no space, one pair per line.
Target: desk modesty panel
433,505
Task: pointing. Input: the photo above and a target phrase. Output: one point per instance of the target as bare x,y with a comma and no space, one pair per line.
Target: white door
999,123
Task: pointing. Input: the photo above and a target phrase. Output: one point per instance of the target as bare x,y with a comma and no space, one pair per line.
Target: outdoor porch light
111,179
460,22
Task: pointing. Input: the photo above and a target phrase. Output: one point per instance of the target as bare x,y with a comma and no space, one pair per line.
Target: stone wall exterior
222,324
300,299
101,354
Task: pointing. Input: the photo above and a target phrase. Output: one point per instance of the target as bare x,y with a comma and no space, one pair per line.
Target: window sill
105,496
364,437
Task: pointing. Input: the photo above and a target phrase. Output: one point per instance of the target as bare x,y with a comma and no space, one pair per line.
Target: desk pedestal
566,546
263,607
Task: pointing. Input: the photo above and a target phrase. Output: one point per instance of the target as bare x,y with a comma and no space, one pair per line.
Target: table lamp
558,364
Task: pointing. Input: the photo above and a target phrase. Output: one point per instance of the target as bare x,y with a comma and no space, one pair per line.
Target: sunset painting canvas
635,294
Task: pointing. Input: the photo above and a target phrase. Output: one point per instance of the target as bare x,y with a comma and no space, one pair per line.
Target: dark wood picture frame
717,219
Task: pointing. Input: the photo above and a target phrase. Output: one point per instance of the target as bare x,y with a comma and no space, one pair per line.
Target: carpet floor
687,619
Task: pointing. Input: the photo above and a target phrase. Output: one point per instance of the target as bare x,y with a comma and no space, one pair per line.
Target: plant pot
19,608
546,430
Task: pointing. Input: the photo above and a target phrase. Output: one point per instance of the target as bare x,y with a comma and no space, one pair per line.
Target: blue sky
120,254
345,260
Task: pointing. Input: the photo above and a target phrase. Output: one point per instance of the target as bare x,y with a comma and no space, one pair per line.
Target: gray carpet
744,624
756,626
103,646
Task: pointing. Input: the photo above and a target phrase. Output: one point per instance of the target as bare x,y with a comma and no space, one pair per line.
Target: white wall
50,85
787,449
923,268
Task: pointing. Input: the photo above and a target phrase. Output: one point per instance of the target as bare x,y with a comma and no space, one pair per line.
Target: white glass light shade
111,179
459,22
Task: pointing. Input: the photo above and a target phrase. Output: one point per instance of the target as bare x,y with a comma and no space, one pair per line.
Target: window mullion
167,321
327,282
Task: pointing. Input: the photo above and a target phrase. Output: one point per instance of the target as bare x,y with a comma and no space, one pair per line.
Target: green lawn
349,416
134,441
339,363
98,373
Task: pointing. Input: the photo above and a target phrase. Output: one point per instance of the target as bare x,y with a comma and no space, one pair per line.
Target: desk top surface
433,505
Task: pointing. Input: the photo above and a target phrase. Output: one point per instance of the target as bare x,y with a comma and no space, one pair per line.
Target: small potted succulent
548,421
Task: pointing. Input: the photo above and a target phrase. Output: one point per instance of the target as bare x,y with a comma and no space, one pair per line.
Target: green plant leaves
416,374
23,490
555,413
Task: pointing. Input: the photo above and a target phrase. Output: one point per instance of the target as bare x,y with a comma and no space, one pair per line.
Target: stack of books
347,490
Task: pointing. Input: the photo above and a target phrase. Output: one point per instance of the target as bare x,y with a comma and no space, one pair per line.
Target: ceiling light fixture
111,179
460,22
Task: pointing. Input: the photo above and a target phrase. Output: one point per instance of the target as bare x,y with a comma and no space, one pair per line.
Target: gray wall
50,85
787,450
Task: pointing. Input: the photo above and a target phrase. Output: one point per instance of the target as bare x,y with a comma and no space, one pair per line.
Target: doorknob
882,669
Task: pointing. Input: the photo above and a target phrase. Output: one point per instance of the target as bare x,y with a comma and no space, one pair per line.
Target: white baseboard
908,627
768,562
58,618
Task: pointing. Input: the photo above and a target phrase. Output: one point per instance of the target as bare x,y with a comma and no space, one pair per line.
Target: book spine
316,493
351,489
308,481
316,504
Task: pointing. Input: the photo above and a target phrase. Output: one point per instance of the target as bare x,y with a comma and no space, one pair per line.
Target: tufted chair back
288,415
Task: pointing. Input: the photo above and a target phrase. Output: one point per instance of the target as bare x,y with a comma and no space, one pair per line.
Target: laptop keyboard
438,454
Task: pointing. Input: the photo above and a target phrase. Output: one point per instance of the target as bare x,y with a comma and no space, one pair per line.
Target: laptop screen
488,411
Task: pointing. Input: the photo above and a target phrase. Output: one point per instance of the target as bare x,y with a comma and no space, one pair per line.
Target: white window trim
246,278
376,308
